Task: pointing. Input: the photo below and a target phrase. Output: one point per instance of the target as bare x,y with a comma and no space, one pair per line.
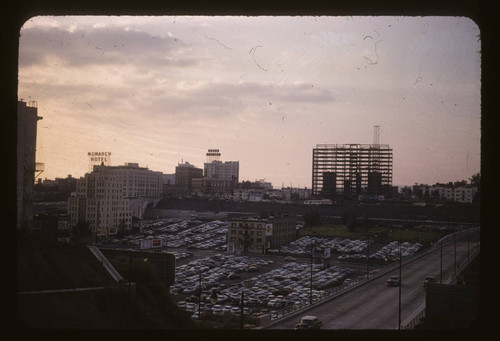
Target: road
376,306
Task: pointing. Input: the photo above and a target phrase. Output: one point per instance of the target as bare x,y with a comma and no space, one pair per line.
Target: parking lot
267,283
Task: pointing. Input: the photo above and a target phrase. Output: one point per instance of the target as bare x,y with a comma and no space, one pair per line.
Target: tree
475,180
349,219
81,229
121,229
312,218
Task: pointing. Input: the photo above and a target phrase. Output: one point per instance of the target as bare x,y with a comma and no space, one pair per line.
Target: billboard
62,225
113,230
145,244
97,158
150,243
101,232
269,230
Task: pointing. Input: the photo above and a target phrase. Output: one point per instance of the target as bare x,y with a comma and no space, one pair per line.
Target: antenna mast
376,135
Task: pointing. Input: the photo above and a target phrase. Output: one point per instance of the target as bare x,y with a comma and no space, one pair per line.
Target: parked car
309,322
428,280
393,281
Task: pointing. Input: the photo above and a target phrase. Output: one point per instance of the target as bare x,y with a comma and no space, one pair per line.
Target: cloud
223,99
101,46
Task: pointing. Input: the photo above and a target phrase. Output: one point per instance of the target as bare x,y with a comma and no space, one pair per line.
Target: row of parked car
213,270
302,246
391,251
202,236
267,291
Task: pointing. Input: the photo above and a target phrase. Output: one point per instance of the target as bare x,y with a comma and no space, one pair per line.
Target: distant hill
383,210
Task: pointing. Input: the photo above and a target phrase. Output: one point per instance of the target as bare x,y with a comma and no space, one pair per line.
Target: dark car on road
309,322
393,281
428,280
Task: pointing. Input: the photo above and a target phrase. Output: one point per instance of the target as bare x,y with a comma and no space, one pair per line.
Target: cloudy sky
263,90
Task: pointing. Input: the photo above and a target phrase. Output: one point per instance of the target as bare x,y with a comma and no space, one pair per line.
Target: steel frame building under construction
348,170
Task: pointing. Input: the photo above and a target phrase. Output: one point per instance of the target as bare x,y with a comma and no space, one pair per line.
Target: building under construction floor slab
348,170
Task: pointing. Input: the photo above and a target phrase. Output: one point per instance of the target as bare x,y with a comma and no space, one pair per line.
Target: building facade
349,170
256,235
462,194
99,200
138,181
184,173
221,178
27,118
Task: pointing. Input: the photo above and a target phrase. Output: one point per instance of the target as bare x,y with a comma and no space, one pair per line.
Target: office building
349,170
138,181
184,174
220,178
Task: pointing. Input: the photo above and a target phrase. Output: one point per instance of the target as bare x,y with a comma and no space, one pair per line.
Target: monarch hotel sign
98,158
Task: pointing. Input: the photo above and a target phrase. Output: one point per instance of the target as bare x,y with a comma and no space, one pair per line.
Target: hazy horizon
263,90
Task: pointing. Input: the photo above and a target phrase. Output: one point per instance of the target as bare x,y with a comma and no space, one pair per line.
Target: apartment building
255,235
99,200
462,194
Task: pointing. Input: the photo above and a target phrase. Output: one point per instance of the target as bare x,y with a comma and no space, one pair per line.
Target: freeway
375,306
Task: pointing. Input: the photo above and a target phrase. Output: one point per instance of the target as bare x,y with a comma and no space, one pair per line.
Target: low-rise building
256,235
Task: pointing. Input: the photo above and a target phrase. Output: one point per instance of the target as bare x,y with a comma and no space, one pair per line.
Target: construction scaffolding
348,170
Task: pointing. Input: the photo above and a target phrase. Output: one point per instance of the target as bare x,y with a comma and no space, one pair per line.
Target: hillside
43,265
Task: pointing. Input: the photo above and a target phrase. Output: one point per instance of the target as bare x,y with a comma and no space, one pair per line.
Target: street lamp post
441,263
455,255
129,289
241,309
311,279
367,255
468,241
400,283
478,240
199,297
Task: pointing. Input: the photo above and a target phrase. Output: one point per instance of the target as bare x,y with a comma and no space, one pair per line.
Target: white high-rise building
103,197
99,201
228,170
220,178
139,181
